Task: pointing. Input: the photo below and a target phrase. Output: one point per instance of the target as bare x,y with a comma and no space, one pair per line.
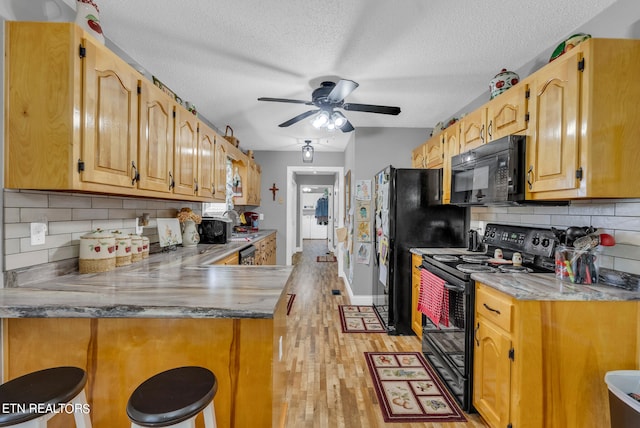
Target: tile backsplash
617,217
67,217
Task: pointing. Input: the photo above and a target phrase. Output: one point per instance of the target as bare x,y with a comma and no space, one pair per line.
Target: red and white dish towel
433,300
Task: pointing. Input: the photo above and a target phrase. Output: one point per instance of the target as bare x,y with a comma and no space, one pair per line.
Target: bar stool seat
29,399
174,398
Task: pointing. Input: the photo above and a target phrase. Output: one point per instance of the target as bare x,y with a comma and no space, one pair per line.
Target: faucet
234,217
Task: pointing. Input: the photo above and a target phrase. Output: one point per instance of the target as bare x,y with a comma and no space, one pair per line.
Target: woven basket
229,136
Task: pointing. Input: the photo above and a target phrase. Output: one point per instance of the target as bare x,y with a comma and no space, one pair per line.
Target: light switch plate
38,232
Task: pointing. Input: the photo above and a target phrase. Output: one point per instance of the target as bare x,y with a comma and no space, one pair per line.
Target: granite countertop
541,286
175,284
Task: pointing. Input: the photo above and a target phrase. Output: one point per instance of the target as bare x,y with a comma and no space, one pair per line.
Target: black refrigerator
408,213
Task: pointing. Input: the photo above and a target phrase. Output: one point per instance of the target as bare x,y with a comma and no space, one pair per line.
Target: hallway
328,380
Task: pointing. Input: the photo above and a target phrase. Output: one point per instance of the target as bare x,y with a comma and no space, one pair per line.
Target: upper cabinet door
186,181
220,168
507,113
473,132
156,139
206,150
417,157
552,149
110,118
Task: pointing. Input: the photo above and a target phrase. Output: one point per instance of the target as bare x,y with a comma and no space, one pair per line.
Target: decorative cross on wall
274,189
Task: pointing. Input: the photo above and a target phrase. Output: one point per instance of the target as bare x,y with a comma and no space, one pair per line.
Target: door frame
292,211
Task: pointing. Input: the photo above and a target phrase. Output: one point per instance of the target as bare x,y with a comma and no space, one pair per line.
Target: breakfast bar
173,309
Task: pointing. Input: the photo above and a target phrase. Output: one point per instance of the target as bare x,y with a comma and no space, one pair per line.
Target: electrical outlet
38,232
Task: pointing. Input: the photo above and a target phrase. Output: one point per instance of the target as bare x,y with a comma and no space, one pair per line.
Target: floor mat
329,258
360,319
408,389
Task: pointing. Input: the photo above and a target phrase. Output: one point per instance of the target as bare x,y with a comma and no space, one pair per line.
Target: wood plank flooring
328,380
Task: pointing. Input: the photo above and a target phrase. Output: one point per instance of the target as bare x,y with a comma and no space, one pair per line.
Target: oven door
450,349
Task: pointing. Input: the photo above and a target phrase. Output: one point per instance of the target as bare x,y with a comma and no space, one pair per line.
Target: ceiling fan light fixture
338,119
321,119
307,152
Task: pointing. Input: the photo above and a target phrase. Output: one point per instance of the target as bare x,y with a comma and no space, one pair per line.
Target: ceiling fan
328,97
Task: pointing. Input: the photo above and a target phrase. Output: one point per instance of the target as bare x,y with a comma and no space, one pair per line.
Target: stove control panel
529,240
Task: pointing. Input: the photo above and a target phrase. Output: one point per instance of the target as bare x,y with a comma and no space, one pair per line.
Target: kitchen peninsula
174,308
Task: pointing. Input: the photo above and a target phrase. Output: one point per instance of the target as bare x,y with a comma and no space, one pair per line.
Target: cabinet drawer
494,306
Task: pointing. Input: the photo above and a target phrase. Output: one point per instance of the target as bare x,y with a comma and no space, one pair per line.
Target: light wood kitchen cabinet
220,169
253,179
71,111
584,123
473,130
230,260
451,147
206,162
79,118
434,151
418,159
266,250
156,139
186,149
504,115
429,154
542,363
492,365
507,114
416,315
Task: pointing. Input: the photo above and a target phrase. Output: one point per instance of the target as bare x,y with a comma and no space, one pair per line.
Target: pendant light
307,152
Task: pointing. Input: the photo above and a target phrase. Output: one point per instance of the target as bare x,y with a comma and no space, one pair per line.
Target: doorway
294,206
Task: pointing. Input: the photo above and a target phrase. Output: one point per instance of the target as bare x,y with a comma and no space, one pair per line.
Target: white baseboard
362,300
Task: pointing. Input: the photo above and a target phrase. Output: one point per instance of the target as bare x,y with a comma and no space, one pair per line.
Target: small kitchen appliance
492,174
215,230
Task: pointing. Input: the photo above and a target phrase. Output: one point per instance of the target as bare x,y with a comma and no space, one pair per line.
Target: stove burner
445,258
475,268
514,269
475,259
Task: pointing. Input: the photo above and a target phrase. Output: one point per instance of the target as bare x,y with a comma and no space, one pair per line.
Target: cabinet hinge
82,51
512,354
526,117
527,94
579,173
80,165
174,114
139,89
509,425
581,65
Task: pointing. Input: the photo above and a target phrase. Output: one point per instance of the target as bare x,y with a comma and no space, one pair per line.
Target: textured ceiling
430,58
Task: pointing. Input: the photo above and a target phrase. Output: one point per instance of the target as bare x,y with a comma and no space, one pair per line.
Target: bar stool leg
81,417
209,416
40,422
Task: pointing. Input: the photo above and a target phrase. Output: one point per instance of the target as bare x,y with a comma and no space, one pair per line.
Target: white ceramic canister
136,248
145,247
502,81
123,248
97,252
88,18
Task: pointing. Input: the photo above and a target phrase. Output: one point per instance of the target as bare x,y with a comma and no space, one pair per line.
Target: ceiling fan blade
368,108
341,90
347,127
298,118
285,100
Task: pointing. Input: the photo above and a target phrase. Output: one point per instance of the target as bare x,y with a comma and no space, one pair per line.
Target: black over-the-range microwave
492,174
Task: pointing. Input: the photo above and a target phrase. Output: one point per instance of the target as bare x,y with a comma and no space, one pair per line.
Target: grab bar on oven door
453,287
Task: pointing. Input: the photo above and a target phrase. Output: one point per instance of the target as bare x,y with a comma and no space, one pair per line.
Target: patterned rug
360,319
409,390
290,298
329,258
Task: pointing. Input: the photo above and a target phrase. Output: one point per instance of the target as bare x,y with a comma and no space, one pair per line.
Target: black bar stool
29,401
174,398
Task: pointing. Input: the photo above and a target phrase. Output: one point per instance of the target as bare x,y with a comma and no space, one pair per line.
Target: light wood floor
328,380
